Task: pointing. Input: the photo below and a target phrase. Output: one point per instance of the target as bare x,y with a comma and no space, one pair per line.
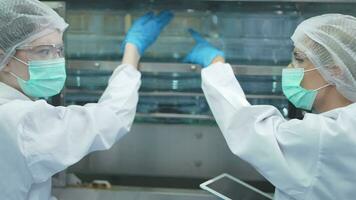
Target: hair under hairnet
22,21
329,41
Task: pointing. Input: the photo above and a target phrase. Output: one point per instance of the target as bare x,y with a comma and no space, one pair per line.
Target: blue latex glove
146,29
203,53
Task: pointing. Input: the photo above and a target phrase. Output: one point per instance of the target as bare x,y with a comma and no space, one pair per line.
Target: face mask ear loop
309,70
14,75
21,61
322,87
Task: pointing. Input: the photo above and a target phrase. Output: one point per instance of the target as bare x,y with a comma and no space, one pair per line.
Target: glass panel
188,101
248,33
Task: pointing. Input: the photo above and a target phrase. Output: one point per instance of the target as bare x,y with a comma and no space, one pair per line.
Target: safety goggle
43,52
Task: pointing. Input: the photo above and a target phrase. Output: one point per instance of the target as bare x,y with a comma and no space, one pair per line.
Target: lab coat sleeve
284,152
54,138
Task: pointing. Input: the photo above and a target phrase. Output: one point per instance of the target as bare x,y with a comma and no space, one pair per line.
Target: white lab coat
309,159
38,140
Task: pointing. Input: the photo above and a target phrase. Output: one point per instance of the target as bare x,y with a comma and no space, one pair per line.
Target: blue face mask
47,77
297,95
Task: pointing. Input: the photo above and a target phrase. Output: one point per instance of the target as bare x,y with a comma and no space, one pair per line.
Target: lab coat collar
8,93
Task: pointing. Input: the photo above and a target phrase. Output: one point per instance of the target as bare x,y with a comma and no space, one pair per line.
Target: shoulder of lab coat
284,152
54,138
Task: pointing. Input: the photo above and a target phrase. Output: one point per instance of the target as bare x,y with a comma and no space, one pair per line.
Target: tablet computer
228,187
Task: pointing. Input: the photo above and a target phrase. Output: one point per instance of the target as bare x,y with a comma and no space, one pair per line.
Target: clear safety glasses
43,52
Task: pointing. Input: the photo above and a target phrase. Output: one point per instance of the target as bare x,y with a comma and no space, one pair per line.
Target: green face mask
47,77
298,96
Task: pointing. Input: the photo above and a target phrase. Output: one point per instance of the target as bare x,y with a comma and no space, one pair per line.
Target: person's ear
6,67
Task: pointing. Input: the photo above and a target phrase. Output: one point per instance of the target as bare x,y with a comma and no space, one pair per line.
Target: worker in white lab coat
37,140
309,159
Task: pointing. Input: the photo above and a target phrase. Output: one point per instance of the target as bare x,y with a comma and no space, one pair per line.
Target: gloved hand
146,29
203,53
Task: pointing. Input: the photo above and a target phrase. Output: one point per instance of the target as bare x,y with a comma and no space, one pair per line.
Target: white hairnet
22,21
329,41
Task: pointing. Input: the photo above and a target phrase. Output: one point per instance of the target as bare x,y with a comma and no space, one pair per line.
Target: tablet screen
228,187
